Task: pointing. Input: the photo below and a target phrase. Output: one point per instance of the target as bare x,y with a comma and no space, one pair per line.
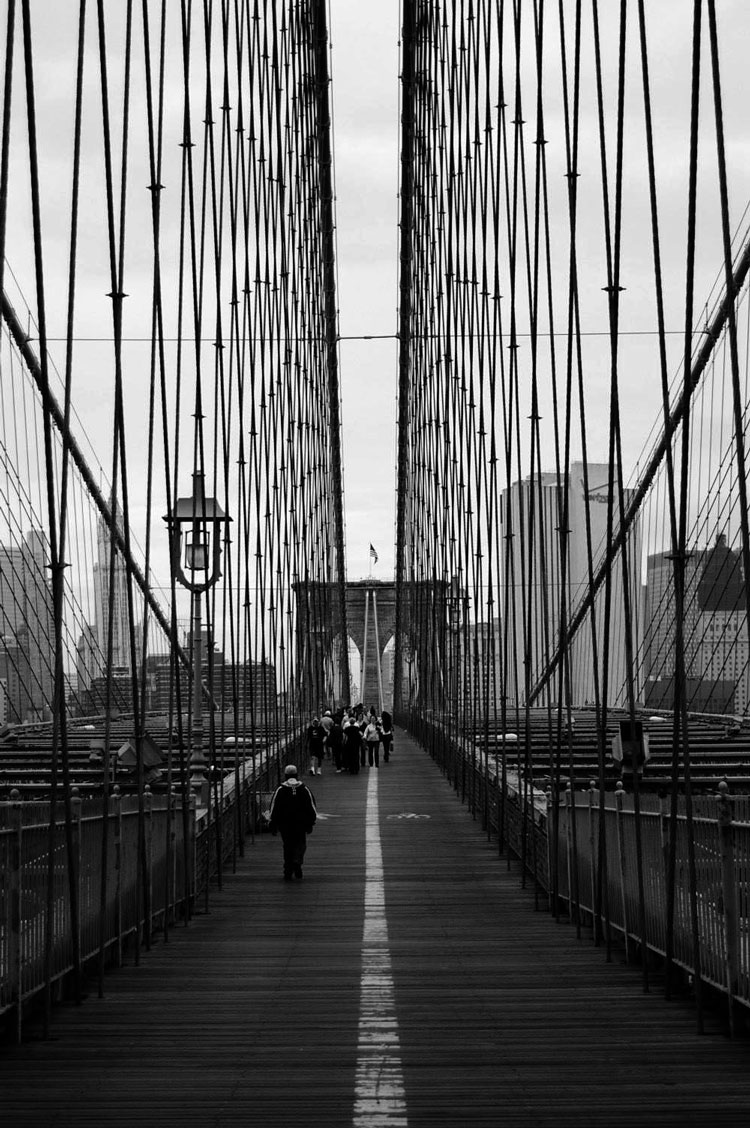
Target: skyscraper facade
715,634
120,627
89,663
27,628
532,513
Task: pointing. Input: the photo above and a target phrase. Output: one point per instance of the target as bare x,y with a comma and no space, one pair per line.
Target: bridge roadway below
457,1004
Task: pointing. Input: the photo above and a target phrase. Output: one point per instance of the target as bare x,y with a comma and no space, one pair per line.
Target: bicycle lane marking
379,1097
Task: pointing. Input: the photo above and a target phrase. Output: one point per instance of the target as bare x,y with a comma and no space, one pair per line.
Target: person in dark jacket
352,738
386,735
335,743
362,724
293,814
316,735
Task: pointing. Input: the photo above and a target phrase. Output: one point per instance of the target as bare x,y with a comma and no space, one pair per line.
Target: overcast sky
365,86
365,72
365,92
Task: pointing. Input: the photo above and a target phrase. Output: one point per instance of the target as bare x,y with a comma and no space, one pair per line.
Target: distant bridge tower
371,624
371,621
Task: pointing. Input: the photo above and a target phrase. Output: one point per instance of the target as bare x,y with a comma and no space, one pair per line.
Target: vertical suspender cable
325,166
56,563
404,571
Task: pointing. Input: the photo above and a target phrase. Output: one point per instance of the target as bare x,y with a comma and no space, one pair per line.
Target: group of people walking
350,738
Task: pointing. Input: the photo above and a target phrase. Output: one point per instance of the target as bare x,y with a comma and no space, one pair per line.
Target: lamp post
195,528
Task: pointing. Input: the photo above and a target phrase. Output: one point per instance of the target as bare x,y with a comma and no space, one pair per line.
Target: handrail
24,844
720,826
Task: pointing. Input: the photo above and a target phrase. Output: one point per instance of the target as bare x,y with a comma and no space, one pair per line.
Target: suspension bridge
536,911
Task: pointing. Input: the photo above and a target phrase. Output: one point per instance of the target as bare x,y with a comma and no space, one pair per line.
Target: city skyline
715,624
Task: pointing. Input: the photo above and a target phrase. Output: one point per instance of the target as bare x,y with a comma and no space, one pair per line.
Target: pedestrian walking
362,726
386,734
372,740
352,741
316,746
326,723
293,814
334,743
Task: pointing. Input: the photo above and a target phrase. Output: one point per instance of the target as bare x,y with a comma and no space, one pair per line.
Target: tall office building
484,683
89,664
120,628
535,589
660,615
27,628
715,637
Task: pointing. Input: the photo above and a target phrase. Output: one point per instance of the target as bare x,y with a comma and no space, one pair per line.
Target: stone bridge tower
371,624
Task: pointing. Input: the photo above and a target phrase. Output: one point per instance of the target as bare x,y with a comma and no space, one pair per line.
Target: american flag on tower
373,555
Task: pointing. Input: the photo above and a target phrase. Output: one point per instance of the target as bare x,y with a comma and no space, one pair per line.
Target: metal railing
593,872
721,837
105,892
52,870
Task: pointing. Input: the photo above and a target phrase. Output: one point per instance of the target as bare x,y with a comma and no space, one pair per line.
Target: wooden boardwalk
257,1015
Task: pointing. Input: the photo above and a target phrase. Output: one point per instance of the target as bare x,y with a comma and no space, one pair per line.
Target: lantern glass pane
196,555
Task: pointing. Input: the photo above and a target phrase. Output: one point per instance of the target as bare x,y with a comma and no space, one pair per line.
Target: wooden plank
250,1015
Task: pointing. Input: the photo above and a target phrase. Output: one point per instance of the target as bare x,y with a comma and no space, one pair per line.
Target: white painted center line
379,1099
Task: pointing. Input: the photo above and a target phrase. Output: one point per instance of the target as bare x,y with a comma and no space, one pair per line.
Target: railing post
252,797
16,915
76,892
569,846
664,832
76,804
191,879
171,905
148,831
592,855
502,800
117,821
668,895
551,853
729,897
619,795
